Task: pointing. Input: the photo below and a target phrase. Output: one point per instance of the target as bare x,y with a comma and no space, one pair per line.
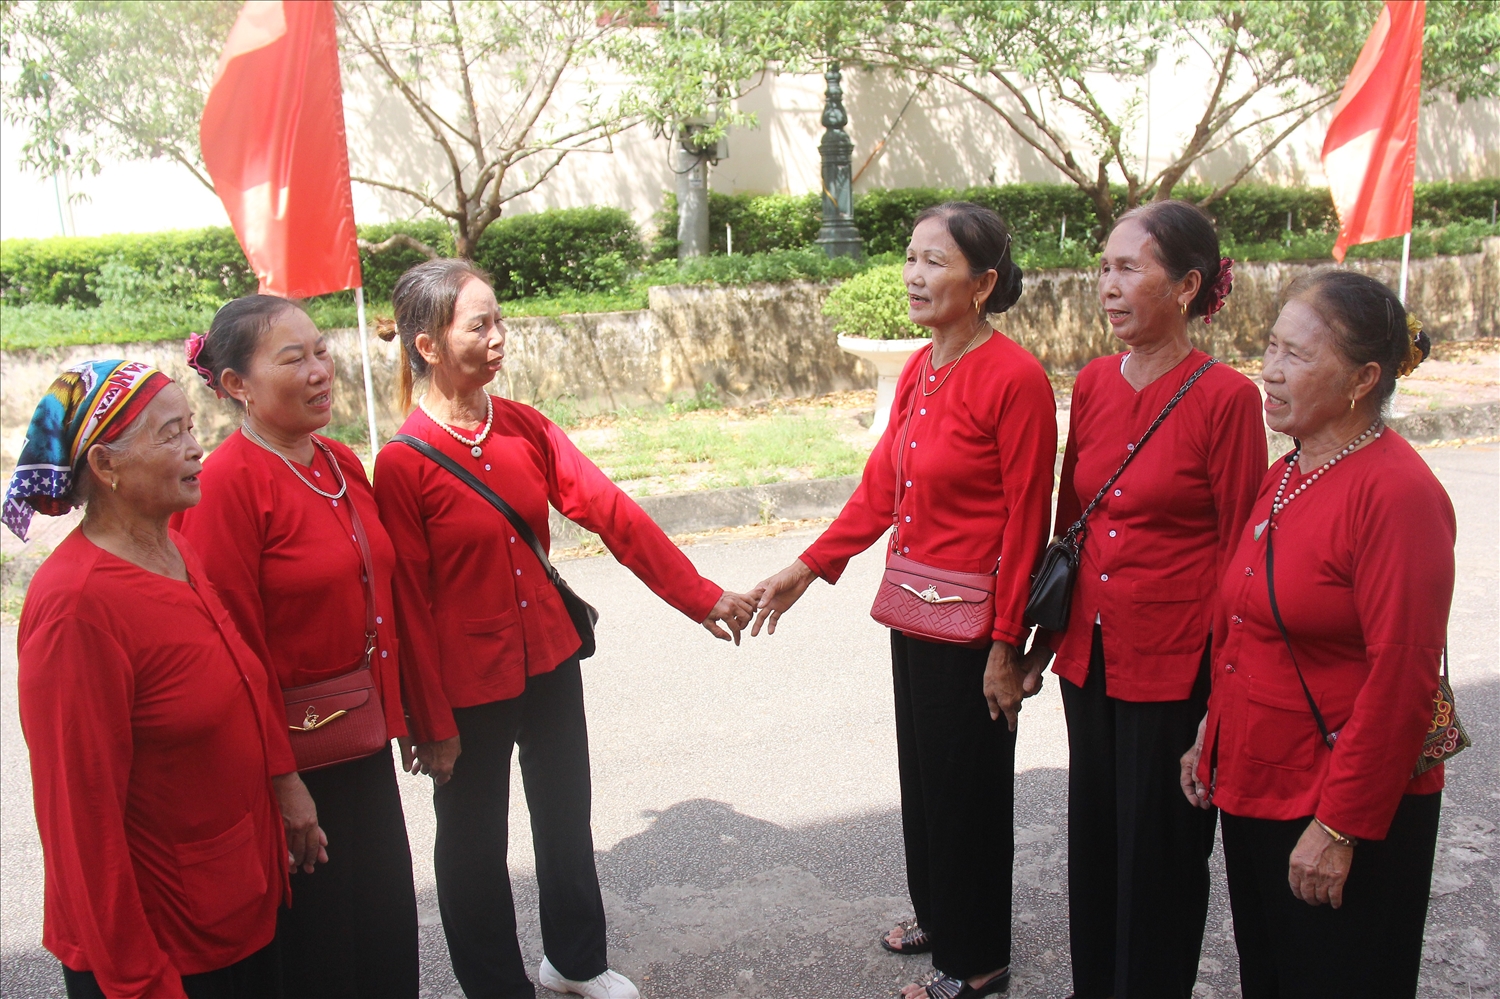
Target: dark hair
235,333
1368,323
985,242
424,299
1186,240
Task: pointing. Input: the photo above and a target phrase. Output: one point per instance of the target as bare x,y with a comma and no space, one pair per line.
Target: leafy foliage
588,250
873,305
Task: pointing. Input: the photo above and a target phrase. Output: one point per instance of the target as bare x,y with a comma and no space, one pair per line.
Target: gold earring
1184,307
1352,401
114,485
976,305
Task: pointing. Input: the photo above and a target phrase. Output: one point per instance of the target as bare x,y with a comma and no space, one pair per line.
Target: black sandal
941,986
914,939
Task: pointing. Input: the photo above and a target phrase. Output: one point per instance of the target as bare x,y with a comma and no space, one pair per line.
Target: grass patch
685,448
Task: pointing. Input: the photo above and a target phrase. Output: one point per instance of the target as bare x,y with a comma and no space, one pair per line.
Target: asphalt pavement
746,804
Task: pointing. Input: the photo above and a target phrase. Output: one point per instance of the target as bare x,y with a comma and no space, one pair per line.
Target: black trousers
1137,851
351,932
255,977
547,723
1368,948
957,803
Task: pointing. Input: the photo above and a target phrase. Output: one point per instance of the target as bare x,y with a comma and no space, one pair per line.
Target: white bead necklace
474,445
1278,504
256,438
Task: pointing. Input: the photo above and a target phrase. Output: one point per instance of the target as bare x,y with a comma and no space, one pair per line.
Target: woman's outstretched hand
1192,787
733,611
778,593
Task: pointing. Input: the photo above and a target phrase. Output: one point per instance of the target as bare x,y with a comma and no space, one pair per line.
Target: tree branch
398,239
426,201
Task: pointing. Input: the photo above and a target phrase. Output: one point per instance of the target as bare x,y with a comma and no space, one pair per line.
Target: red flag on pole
1370,153
273,141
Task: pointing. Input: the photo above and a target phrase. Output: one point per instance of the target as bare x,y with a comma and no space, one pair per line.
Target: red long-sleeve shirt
286,564
474,605
976,464
1156,546
147,721
1364,582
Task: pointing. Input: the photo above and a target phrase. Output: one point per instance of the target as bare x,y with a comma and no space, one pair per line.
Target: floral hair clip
1223,284
195,342
1417,350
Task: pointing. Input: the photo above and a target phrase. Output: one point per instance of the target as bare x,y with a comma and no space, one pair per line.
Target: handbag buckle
311,722
930,595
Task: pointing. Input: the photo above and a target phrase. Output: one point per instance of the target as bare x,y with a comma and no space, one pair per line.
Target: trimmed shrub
565,249
873,304
761,223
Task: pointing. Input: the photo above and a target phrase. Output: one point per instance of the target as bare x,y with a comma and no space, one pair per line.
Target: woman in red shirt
1328,843
973,436
478,609
282,546
148,721
1134,657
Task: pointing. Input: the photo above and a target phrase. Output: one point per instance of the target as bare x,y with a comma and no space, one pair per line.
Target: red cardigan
1157,544
147,721
977,469
286,564
1364,580
474,605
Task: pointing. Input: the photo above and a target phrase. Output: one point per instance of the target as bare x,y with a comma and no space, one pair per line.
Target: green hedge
1248,214
552,252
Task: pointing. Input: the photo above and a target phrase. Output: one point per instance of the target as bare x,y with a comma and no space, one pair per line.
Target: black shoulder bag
1052,585
583,614
1445,737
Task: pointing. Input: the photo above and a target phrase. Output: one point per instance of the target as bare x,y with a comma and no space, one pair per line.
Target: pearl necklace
256,438
474,445
927,366
1278,505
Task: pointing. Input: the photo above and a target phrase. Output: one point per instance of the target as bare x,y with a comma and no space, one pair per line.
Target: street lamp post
838,236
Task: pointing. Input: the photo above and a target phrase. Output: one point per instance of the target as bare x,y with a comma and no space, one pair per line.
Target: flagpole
1405,263
364,355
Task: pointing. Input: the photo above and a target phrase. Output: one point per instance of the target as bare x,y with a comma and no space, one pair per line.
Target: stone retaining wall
765,341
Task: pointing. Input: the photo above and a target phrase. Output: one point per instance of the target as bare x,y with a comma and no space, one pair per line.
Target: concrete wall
766,341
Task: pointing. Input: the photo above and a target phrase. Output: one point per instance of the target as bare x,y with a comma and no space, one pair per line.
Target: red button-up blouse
1364,581
147,720
1156,544
285,562
976,462
474,605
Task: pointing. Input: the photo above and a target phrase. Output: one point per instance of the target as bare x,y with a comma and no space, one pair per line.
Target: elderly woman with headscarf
148,720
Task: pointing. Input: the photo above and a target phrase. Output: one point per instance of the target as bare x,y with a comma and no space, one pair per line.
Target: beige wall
946,138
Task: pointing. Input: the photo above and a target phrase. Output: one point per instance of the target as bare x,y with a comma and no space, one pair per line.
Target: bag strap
468,478
900,454
1329,737
1080,526
366,560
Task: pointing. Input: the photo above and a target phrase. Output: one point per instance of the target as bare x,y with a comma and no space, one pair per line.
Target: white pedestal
889,357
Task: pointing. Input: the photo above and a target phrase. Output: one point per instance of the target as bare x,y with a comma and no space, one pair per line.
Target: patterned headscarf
89,404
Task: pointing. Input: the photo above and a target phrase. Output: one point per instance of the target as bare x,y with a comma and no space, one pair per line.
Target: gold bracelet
1337,837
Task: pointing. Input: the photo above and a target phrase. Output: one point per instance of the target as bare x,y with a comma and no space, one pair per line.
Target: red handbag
938,605
341,718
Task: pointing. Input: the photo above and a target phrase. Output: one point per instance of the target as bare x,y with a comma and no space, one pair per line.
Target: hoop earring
1352,401
1184,307
976,306
114,485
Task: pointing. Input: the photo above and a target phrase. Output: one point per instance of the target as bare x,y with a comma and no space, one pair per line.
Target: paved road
746,799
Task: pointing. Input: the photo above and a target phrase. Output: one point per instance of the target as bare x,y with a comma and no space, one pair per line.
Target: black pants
957,803
255,977
1368,948
351,932
1137,851
473,882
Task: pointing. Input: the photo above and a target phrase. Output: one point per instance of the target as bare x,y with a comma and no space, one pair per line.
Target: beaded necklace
473,445
1278,504
256,438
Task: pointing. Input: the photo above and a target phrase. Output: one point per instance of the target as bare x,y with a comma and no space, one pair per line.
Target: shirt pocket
495,642
223,876
1169,616
1279,730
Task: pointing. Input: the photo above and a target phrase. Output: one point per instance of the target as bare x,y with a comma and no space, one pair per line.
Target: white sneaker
609,985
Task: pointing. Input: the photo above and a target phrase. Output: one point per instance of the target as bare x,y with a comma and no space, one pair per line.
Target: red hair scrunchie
1223,285
195,344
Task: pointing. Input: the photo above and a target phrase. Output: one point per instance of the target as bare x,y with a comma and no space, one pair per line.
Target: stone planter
888,358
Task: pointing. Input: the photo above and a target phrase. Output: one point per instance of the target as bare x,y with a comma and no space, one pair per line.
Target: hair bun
385,329
1417,350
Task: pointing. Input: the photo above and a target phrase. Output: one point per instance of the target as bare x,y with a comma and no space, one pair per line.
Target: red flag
273,141
1370,153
